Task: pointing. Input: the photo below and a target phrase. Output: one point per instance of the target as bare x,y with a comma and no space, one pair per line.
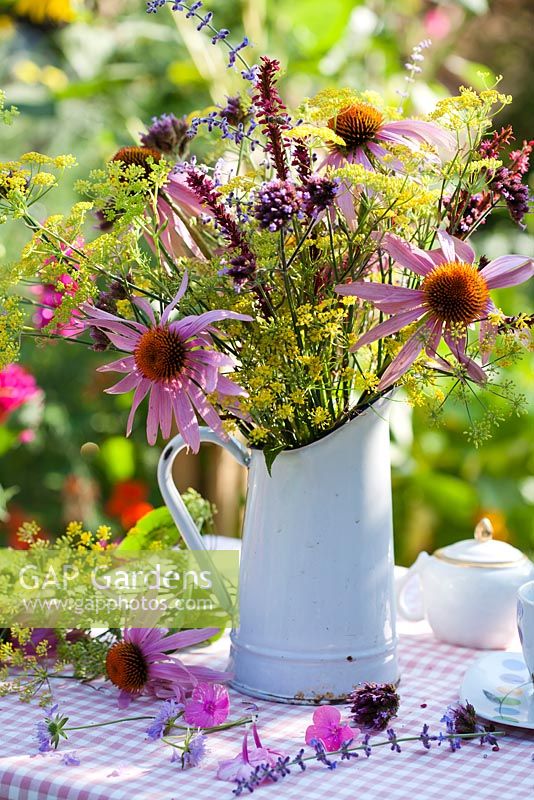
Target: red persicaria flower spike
272,113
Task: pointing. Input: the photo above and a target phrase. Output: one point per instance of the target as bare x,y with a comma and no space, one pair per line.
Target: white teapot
469,590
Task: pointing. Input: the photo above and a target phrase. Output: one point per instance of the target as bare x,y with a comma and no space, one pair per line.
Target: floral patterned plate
498,686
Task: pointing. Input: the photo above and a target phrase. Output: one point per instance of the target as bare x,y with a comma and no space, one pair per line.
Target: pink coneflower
209,705
364,131
452,295
176,236
141,664
174,361
328,729
174,233
17,386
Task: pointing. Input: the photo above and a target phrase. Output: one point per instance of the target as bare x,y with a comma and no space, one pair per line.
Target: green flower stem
300,243
446,737
224,727
172,744
103,724
48,235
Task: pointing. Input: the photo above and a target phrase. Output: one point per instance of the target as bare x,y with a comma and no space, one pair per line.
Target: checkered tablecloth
118,763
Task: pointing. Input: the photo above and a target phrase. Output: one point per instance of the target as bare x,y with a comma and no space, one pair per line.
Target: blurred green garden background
88,76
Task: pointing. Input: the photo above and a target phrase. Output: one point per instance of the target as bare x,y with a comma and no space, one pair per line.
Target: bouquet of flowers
305,266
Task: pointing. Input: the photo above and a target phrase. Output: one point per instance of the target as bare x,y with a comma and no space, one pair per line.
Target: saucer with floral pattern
501,690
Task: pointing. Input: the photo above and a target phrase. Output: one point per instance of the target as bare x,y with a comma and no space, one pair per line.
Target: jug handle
411,614
180,514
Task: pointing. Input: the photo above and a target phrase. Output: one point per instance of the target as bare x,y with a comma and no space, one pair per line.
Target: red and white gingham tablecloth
118,763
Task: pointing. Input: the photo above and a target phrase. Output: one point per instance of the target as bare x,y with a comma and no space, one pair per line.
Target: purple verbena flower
373,705
276,203
318,194
168,134
234,111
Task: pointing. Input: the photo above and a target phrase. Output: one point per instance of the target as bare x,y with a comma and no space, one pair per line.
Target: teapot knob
484,530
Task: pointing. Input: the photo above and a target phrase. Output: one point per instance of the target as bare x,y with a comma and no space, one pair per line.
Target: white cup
525,623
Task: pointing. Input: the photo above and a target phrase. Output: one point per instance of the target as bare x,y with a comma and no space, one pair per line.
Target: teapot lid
481,551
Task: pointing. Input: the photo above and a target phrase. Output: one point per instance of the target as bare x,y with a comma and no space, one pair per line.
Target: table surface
118,763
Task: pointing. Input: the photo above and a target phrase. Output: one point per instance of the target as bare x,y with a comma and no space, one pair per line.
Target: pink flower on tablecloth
328,729
453,294
209,705
175,362
142,664
17,386
243,765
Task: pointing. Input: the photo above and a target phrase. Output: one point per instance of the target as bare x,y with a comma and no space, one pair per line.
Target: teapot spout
410,611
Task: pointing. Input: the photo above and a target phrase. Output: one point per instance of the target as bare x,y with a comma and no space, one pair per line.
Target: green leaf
270,453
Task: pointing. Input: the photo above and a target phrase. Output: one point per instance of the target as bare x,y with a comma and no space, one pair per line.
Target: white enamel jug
316,593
